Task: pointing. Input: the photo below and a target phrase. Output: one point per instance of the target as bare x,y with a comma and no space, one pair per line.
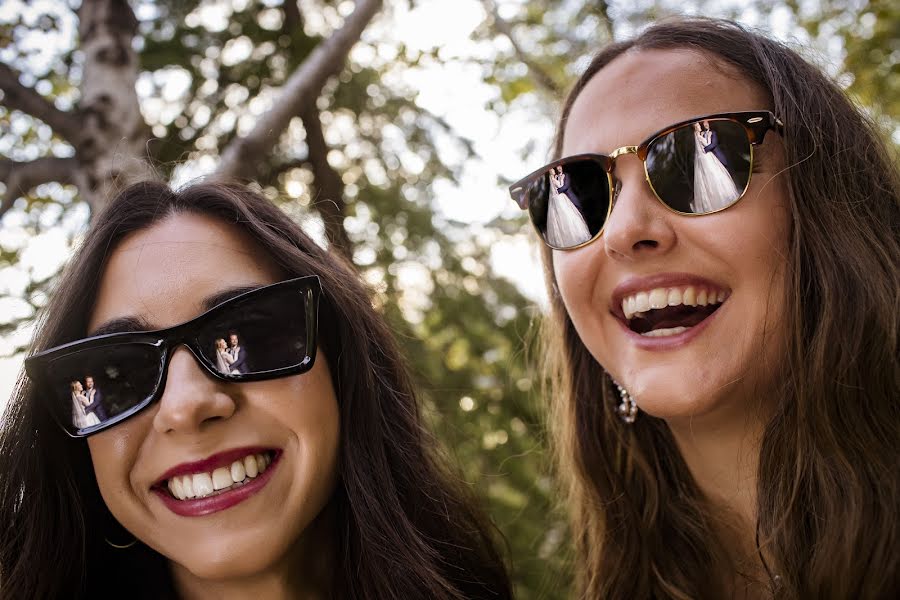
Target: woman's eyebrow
121,324
226,295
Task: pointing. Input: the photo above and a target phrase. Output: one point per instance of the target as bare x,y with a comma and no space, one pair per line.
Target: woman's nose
639,225
191,399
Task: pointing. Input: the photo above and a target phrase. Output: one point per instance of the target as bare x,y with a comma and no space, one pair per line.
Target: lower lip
198,507
669,342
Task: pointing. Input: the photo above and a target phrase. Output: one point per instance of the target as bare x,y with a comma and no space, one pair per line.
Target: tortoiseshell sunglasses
695,167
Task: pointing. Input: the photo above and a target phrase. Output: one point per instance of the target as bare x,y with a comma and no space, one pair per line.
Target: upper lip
211,463
633,285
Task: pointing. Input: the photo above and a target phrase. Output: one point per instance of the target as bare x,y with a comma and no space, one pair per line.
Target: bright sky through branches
452,89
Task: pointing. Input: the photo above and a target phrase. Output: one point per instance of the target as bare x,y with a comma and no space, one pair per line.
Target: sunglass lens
263,333
96,385
700,168
570,202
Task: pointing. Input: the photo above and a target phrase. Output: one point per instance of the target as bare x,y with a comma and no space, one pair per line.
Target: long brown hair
828,487
405,527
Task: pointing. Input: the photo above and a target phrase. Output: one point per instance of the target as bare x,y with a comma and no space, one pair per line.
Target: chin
671,405
225,558
667,395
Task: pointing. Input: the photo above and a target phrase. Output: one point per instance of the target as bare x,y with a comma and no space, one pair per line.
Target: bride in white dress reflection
713,187
223,359
80,418
565,225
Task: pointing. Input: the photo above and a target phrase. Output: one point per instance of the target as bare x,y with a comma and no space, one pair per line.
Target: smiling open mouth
670,311
219,481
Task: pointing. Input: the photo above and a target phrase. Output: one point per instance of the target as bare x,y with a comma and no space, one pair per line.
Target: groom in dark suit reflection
237,353
711,139
95,400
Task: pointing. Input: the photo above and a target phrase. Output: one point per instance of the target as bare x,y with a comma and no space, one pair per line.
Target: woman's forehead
163,273
643,91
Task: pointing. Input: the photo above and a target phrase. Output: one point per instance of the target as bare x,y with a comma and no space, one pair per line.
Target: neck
303,573
722,457
721,450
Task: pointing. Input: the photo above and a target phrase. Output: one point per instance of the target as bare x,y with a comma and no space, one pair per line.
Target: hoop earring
121,547
627,409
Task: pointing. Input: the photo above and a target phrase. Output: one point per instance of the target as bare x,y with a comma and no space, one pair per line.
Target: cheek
112,454
767,214
308,406
765,254
576,274
312,414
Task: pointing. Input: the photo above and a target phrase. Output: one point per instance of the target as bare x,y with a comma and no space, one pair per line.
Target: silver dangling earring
627,409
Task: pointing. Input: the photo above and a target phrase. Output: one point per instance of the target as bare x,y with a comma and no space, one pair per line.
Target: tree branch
20,177
27,100
328,197
540,75
449,130
240,157
603,9
293,20
268,177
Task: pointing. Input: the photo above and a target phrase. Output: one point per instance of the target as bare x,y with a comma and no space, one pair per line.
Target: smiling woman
722,260
250,429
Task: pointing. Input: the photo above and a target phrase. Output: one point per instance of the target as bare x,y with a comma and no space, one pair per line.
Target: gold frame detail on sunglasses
755,123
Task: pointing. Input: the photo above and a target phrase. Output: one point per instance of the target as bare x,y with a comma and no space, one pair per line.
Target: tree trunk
109,134
111,147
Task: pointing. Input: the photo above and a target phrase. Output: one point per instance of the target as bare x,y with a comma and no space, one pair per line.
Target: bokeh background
390,130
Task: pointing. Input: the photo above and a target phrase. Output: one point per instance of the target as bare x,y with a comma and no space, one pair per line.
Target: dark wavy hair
828,489
406,527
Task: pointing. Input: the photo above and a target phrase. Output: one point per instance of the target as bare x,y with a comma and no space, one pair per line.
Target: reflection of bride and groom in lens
87,404
230,357
714,189
713,186
565,224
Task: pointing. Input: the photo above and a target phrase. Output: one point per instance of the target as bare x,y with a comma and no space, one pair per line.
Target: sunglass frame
183,334
756,124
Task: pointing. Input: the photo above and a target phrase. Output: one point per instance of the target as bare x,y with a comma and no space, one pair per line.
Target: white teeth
199,485
175,488
221,478
657,298
675,297
250,466
238,473
203,485
689,297
641,302
665,332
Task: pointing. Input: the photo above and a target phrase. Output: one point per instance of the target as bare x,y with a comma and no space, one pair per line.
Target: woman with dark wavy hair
724,371
308,474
